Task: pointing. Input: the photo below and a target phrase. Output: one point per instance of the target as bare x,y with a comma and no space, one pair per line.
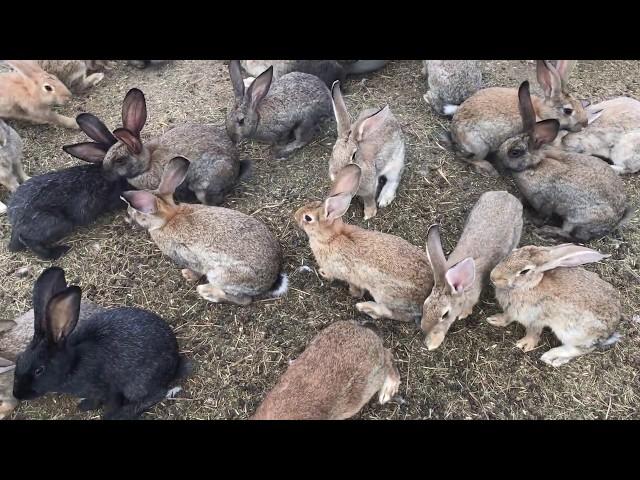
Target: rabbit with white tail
375,143
124,358
340,370
450,82
542,287
489,117
491,232
238,254
11,171
394,272
29,93
582,190
286,114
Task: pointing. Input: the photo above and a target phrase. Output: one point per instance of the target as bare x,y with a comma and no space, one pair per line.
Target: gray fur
451,82
11,171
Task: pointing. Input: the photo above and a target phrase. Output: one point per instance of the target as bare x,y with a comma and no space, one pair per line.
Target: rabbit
489,117
73,73
375,143
613,133
286,115
238,254
491,232
124,358
7,401
48,207
215,166
544,287
11,170
141,64
450,83
337,374
582,190
394,272
29,93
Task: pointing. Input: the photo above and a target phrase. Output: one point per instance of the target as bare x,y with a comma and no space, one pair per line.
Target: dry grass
240,352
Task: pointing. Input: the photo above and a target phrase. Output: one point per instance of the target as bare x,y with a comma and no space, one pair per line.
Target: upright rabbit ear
87,151
95,129
144,202
436,255
527,112
371,124
545,132
260,87
49,283
134,111
564,67
28,68
344,188
237,82
548,78
570,255
461,276
62,313
130,139
340,110
174,174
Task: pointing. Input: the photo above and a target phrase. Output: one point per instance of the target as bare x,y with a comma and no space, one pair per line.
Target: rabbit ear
461,276
260,87
62,313
564,67
344,188
49,283
134,111
593,116
144,202
130,139
570,255
28,68
548,78
340,110
236,80
174,174
545,132
436,255
371,124
87,151
527,112
95,129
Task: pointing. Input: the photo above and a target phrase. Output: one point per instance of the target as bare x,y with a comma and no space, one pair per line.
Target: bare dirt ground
239,353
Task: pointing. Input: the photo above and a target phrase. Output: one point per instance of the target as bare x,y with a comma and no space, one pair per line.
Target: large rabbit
613,133
489,117
337,374
124,358
492,231
544,287
287,114
28,93
582,190
394,272
450,83
237,253
73,73
11,171
376,144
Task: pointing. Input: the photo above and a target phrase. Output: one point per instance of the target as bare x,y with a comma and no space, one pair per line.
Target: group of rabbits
127,359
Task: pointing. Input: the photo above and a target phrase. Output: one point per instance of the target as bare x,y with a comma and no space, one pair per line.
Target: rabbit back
451,82
10,157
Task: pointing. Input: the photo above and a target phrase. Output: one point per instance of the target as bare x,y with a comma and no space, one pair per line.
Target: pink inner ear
144,202
460,277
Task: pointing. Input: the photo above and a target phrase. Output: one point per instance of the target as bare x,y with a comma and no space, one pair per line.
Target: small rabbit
375,143
489,117
337,374
73,73
29,93
7,401
287,114
394,272
450,83
237,253
11,171
492,231
124,358
582,190
46,208
613,133
544,287
141,64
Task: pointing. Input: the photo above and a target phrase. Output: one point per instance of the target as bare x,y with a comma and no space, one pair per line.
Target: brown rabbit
73,73
336,375
394,272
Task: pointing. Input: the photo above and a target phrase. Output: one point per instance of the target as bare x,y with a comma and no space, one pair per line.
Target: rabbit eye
516,152
48,88
444,315
241,121
567,111
524,272
38,371
307,218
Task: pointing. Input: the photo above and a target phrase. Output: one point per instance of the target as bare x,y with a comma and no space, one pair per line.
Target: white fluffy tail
449,109
281,286
615,338
173,392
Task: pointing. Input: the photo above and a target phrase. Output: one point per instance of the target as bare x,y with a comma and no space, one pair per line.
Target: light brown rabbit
492,231
7,401
544,287
394,272
29,93
491,116
375,143
73,73
336,375
237,253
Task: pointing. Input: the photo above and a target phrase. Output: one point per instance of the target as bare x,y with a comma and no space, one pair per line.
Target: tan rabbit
394,272
491,116
29,93
7,401
336,375
544,287
73,73
237,253
375,143
492,231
